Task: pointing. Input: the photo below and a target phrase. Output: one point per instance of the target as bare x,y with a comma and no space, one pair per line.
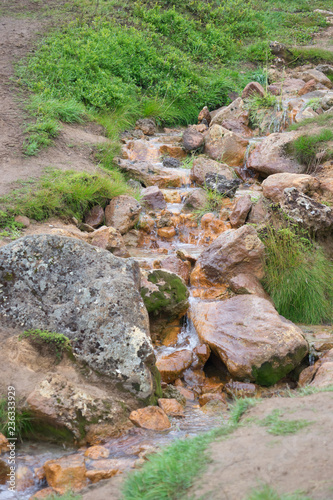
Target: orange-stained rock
171,407
211,387
95,452
203,288
194,379
66,473
233,252
44,493
173,365
39,473
140,150
223,145
189,395
3,443
151,417
306,375
205,114
202,353
166,232
99,433
237,389
4,471
172,195
173,151
171,332
310,86
212,396
110,239
97,475
274,185
250,337
146,223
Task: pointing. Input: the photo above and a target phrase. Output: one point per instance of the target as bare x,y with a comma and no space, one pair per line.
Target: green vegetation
298,276
306,147
321,120
268,493
150,58
313,55
257,106
65,194
213,203
9,228
280,427
23,421
56,343
65,496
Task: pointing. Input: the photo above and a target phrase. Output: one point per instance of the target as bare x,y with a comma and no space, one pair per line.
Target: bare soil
21,24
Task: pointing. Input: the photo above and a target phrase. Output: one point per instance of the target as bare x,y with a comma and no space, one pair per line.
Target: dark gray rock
169,162
219,183
67,286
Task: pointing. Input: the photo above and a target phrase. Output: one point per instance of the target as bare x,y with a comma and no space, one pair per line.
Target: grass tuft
23,421
280,427
268,493
306,148
298,276
66,194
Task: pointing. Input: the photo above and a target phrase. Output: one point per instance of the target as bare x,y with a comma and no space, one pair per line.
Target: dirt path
251,456
20,26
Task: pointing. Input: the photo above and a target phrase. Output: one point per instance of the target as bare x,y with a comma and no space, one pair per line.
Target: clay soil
22,23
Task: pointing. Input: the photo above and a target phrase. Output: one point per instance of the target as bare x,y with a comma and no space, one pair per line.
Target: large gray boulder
67,286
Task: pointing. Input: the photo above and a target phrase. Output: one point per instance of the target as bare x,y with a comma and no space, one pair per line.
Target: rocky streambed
162,299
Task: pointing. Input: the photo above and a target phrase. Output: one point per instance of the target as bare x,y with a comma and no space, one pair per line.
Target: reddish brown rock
236,251
259,212
95,217
310,86
202,352
223,145
171,407
172,366
172,196
235,111
269,156
274,185
122,213
247,284
4,471
44,493
250,337
253,88
196,200
66,473
22,219
324,375
318,76
306,375
109,239
152,197
147,125
237,389
212,396
95,452
3,444
192,139
240,211
166,232
189,395
205,114
203,165
173,151
151,417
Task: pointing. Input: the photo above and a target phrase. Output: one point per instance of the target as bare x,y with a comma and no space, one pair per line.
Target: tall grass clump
23,421
306,147
298,276
66,194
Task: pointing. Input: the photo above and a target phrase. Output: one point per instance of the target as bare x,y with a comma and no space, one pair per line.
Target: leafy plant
23,421
298,276
56,343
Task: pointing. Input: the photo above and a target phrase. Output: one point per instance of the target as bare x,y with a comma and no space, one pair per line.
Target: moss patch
170,296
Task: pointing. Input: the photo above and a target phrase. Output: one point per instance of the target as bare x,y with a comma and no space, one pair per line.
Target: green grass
56,343
268,493
321,120
312,55
65,194
9,228
306,147
151,58
257,106
22,418
298,276
65,496
279,427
